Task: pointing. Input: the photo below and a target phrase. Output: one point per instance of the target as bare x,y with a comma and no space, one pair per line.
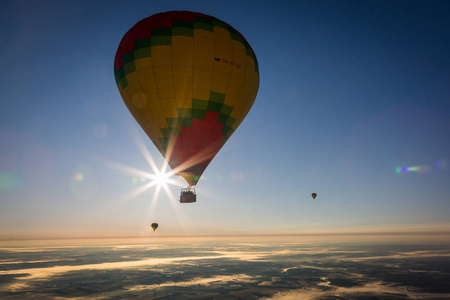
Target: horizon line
308,234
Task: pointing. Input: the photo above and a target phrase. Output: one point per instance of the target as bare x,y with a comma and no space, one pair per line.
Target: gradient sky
353,104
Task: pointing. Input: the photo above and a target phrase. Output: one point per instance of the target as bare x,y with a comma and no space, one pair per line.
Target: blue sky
350,92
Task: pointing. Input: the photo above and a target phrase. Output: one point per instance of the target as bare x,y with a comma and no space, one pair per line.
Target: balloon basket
188,195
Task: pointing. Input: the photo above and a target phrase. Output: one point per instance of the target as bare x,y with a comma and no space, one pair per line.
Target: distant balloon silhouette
314,195
154,226
189,80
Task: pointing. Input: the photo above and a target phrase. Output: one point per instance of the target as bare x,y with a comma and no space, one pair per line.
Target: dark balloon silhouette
154,226
314,195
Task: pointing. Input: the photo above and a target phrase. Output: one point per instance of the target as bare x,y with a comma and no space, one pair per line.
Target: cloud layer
268,269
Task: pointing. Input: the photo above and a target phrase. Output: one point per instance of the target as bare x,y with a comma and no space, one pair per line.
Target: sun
161,179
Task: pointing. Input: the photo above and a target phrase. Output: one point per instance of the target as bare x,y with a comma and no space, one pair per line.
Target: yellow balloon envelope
189,80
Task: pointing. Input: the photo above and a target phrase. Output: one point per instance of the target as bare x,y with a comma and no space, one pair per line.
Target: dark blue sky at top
349,91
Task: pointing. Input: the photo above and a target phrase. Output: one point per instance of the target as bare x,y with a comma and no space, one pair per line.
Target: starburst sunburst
145,180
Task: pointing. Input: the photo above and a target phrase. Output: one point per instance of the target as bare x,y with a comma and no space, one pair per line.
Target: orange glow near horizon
436,231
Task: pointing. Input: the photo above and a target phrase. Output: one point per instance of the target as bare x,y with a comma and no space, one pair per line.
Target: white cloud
415,254
372,288
13,262
214,280
237,278
46,272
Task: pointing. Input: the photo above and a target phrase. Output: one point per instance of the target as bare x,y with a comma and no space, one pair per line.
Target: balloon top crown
174,23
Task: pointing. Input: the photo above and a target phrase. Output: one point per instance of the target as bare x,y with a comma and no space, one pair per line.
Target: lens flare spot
412,169
441,164
79,177
237,176
9,182
136,180
139,100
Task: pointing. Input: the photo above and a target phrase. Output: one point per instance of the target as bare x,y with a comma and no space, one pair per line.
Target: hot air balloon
154,226
189,80
314,195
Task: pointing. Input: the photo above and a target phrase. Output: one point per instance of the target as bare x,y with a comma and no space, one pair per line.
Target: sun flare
161,179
